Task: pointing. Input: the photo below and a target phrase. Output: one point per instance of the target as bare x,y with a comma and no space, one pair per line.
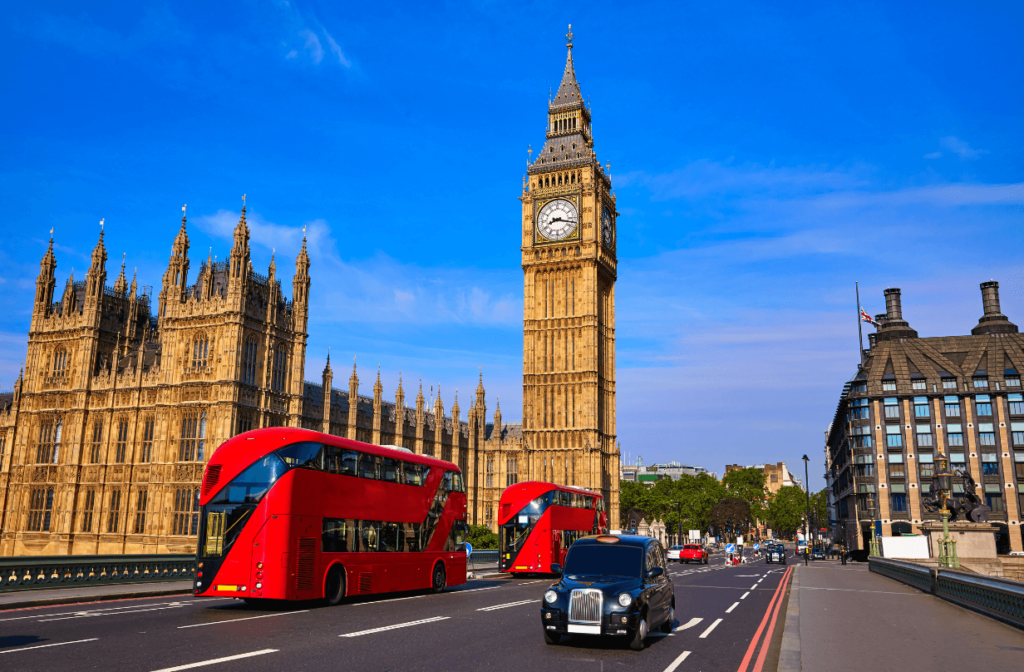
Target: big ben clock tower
569,268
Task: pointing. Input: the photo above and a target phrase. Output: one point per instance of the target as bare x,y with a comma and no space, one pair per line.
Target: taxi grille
585,605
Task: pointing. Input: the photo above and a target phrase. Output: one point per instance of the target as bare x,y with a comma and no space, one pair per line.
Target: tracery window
121,448
87,509
200,351
490,472
147,439
193,436
249,361
40,510
140,512
60,361
512,473
186,511
48,450
244,422
280,366
114,518
97,441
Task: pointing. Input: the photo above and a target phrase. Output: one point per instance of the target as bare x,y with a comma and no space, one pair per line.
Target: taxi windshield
602,560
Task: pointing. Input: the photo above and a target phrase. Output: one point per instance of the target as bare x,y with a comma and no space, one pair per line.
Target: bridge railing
484,557
69,571
999,598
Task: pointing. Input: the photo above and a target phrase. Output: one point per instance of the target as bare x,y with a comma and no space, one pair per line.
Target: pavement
723,619
36,598
848,619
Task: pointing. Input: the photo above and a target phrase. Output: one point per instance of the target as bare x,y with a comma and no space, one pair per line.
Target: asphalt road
487,624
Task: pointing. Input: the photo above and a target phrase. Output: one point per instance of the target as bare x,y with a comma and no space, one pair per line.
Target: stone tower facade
569,272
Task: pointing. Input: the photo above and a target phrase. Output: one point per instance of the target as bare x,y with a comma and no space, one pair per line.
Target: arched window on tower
200,351
60,361
249,351
280,367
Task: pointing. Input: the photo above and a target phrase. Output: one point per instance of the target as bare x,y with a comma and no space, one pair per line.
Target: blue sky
764,159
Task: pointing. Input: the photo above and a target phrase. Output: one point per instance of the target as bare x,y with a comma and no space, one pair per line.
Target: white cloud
292,54
933,155
312,45
960,147
336,50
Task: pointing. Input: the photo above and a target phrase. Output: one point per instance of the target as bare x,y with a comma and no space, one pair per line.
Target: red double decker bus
537,522
291,514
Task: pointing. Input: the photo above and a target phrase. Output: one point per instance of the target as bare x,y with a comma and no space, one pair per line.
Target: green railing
1002,599
69,571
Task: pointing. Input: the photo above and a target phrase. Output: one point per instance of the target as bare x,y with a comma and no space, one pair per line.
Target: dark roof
569,94
624,539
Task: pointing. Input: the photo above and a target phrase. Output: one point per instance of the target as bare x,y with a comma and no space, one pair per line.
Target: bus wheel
440,578
334,588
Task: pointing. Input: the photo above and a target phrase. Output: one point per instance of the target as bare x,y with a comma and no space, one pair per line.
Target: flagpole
860,330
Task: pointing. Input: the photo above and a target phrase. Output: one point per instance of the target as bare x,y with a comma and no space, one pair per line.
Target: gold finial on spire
51,234
243,201
568,37
101,224
183,210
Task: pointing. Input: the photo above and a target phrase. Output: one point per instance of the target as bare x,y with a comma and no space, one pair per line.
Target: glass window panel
369,466
895,458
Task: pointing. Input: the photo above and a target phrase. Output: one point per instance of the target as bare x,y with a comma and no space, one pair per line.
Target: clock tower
569,269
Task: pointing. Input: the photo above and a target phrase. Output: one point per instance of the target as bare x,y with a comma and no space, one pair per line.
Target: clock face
606,227
557,219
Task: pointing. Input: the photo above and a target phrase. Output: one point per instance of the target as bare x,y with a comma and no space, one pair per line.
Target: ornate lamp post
873,538
943,483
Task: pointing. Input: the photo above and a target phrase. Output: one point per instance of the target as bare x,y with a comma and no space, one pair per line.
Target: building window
40,509
924,435
893,436
97,441
121,447
200,351
489,480
983,404
280,366
896,467
1012,381
147,440
888,385
186,511
1018,465
989,464
249,361
919,385
921,407
949,383
927,463
986,434
899,499
980,383
512,473
860,388
60,361
244,422
861,438
87,509
114,517
48,450
3,446
140,512
954,434
193,436
1016,404
859,409
952,407
892,407
957,459
994,497
865,465
488,516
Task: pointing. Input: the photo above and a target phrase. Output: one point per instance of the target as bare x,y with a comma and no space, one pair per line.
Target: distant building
649,474
775,475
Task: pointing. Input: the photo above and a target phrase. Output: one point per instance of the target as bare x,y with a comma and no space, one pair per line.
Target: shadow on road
19,640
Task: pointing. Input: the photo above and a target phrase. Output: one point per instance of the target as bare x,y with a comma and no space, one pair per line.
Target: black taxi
610,585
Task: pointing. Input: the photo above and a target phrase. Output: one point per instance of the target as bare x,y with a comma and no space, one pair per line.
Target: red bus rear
537,522
291,514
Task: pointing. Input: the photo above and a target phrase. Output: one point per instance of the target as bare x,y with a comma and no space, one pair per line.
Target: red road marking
760,629
771,628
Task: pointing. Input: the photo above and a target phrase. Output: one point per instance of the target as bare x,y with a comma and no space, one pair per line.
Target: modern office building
652,473
913,398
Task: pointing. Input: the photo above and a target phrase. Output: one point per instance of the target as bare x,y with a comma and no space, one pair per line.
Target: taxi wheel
666,627
552,638
637,643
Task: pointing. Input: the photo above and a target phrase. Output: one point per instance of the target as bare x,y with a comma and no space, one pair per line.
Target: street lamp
943,483
807,522
872,538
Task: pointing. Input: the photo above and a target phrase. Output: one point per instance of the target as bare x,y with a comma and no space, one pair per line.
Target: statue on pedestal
969,506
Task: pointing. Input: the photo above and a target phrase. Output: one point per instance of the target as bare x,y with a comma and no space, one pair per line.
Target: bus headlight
625,599
550,597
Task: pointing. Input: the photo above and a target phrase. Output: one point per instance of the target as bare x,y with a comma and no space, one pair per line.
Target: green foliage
786,510
731,516
687,501
749,485
481,537
819,509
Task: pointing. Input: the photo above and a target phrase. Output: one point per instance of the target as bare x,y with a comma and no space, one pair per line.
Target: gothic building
123,399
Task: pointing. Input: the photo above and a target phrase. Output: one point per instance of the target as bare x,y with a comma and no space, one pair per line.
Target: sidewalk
847,619
39,598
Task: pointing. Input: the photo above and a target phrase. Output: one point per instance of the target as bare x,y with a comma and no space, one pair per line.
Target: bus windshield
602,560
251,485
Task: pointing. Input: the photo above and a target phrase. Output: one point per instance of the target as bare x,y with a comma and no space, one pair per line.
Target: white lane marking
754,587
393,599
509,604
46,646
93,611
529,582
203,663
471,590
734,605
236,620
710,628
748,576
689,624
745,595
395,627
86,614
675,663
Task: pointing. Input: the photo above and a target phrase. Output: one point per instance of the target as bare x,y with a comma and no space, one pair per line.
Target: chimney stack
993,321
894,327
893,308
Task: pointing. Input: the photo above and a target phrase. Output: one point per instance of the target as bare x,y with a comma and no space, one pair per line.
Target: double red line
773,612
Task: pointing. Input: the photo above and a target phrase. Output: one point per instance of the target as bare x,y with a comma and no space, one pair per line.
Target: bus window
392,470
214,534
390,537
250,485
563,498
411,532
415,474
457,542
369,466
305,455
335,535
453,480
340,460
368,532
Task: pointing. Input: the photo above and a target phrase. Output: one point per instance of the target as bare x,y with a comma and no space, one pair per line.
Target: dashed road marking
745,595
508,604
218,660
710,628
396,626
236,620
87,614
734,605
689,624
46,646
675,663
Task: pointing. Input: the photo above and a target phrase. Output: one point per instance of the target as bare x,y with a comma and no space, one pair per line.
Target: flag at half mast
864,317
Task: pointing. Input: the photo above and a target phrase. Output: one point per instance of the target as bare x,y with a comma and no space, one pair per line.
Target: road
487,624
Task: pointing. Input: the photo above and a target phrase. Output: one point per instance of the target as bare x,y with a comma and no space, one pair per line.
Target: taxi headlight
625,599
550,597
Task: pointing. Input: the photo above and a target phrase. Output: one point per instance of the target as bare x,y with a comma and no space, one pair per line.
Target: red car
693,553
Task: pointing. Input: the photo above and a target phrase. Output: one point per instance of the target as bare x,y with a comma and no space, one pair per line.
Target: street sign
469,549
730,548
757,547
694,534
739,540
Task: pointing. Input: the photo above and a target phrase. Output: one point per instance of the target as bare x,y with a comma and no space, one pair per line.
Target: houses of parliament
124,396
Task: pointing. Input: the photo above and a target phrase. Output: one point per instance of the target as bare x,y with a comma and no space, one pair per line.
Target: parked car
610,585
693,553
673,553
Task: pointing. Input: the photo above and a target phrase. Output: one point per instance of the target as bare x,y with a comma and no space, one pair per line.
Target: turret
121,284
993,321
400,413
176,276
239,259
328,380
46,281
353,402
894,327
96,278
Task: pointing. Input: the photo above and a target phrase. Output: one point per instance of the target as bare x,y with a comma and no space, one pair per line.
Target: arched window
60,361
48,450
193,436
249,361
186,511
200,351
280,367
40,510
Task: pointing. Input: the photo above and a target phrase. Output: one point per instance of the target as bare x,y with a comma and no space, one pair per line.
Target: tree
749,485
731,516
786,510
684,504
819,509
480,537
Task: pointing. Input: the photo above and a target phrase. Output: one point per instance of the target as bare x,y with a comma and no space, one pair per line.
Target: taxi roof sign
608,539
